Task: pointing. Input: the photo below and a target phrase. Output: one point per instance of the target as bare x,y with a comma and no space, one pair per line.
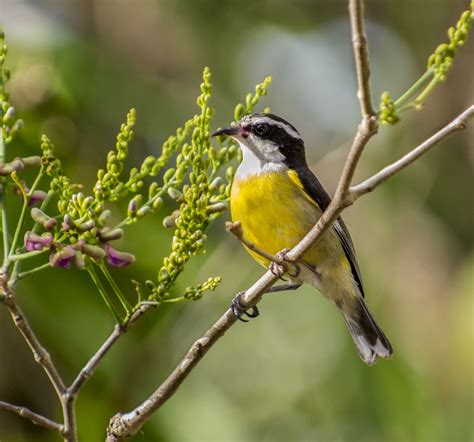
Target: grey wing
349,250
316,191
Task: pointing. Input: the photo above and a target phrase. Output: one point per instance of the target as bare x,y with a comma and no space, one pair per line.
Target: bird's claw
277,269
239,310
292,269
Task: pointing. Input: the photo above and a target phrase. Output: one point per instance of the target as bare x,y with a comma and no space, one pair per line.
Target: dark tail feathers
368,337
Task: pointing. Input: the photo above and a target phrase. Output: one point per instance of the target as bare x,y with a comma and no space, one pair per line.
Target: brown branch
36,418
67,396
94,361
119,330
42,357
126,425
361,54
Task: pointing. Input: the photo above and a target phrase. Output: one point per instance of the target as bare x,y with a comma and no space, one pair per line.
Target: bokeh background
292,374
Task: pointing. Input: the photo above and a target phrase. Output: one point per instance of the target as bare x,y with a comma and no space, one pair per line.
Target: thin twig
29,272
3,189
26,199
91,365
36,418
361,54
42,357
126,425
118,331
371,183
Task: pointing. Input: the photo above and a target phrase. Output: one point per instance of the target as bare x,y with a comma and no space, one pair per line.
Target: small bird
277,200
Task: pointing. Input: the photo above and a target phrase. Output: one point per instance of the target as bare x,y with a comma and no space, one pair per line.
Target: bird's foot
240,310
277,269
285,265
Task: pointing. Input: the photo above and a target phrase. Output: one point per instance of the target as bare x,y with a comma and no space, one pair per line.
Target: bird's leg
284,287
252,312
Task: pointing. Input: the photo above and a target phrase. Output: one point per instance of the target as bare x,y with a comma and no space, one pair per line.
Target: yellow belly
276,214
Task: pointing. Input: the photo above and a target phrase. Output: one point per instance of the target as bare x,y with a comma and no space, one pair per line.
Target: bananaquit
277,200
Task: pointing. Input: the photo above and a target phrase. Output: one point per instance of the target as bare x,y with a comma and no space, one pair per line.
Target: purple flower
36,197
63,257
37,242
116,258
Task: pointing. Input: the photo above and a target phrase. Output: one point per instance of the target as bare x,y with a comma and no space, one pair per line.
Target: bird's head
269,137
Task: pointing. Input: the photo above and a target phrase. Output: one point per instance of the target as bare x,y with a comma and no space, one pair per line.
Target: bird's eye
261,129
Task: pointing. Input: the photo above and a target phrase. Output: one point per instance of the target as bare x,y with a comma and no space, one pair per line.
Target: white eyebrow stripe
289,130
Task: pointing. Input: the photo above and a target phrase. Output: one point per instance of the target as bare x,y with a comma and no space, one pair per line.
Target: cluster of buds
196,293
441,60
109,186
251,100
77,232
73,240
205,196
388,111
9,125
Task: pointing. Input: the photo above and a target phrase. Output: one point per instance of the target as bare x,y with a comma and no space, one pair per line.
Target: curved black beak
229,131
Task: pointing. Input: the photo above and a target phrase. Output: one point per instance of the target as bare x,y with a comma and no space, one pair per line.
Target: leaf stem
434,82
414,88
26,199
3,189
6,247
26,255
26,273
90,269
115,288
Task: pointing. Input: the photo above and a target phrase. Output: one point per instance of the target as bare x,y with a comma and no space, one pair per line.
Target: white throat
252,165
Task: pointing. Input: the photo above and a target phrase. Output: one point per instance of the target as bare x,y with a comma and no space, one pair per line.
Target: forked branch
371,183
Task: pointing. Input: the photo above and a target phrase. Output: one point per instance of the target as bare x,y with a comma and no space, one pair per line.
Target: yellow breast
274,212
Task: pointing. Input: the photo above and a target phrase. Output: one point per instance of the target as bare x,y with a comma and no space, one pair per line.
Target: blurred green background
292,374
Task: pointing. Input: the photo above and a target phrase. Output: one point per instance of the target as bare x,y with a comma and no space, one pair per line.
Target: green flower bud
169,221
157,203
230,173
14,166
103,217
94,252
142,211
79,261
33,161
216,182
153,189
41,218
175,194
216,208
168,175
85,227
110,235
